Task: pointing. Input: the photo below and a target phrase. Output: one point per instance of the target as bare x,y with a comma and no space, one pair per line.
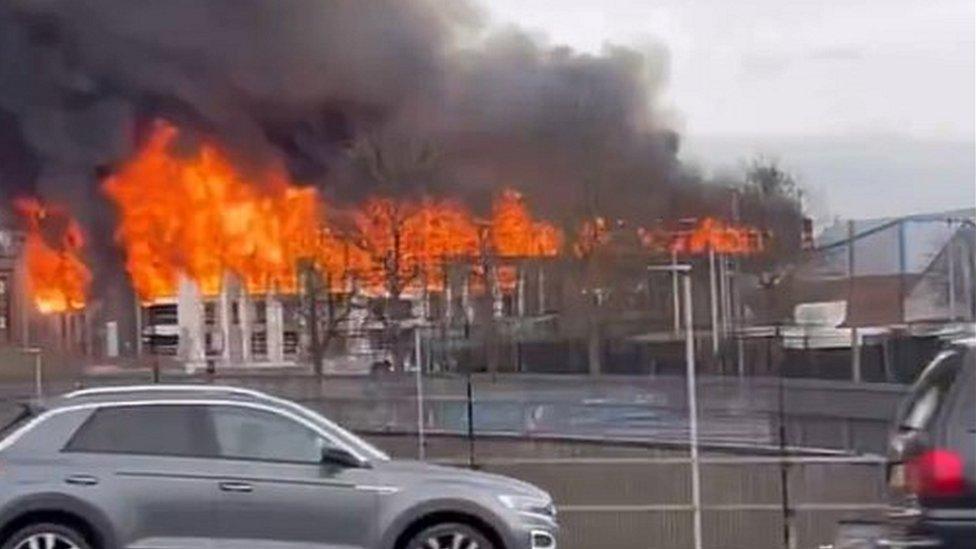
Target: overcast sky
844,74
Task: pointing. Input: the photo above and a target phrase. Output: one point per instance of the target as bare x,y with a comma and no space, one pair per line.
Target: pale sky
830,70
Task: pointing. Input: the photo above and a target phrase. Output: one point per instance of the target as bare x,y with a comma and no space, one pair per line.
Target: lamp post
421,438
713,301
684,271
675,294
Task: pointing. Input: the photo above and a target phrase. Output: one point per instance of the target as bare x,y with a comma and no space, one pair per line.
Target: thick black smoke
351,94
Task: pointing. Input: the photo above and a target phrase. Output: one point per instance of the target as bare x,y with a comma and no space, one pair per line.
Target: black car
932,456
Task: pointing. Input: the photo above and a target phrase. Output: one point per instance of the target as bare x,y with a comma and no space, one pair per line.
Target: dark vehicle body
932,456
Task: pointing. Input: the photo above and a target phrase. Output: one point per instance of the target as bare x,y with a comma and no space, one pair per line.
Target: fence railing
613,450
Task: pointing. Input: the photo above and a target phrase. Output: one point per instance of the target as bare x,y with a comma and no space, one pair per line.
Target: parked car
227,468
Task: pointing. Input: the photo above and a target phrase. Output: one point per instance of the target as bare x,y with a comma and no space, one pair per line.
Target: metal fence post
38,375
789,540
471,464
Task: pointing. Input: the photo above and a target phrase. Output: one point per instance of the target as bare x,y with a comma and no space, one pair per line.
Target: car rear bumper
923,531
947,534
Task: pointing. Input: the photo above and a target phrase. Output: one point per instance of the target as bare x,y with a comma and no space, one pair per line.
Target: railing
613,450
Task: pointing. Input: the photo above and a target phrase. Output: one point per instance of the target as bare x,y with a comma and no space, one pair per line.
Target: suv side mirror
337,456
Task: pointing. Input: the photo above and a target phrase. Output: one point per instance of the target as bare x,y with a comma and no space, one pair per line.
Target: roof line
95,391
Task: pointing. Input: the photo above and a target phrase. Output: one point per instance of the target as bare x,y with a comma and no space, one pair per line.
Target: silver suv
210,467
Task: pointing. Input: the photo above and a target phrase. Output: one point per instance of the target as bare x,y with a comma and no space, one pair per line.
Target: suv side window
930,391
962,419
157,429
251,434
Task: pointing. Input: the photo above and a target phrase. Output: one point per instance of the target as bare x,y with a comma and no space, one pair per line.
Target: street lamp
684,271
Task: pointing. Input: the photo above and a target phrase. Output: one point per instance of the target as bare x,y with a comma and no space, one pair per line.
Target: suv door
959,431
145,463
276,489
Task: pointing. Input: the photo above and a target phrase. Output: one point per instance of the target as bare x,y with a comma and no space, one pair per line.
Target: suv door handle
82,480
241,487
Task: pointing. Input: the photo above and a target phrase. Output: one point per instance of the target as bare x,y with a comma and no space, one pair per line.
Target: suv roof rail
95,391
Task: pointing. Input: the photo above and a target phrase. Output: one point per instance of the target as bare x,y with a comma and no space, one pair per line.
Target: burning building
251,179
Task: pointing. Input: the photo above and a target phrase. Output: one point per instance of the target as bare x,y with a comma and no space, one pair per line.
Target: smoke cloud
421,89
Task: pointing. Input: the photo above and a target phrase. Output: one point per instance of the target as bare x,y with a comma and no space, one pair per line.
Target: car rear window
172,430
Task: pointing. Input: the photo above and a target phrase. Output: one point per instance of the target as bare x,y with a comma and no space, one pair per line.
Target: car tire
48,535
450,535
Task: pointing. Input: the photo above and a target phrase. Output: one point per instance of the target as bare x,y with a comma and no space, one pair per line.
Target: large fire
57,277
198,215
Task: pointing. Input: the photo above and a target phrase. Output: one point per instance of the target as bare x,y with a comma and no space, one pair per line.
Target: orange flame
408,242
514,233
57,277
717,235
200,216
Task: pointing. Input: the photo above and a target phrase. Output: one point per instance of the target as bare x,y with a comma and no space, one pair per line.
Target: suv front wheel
46,536
450,536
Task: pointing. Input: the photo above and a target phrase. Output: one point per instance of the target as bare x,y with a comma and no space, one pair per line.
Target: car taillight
936,473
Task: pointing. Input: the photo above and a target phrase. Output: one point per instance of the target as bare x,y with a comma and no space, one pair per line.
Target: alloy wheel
47,540
450,540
